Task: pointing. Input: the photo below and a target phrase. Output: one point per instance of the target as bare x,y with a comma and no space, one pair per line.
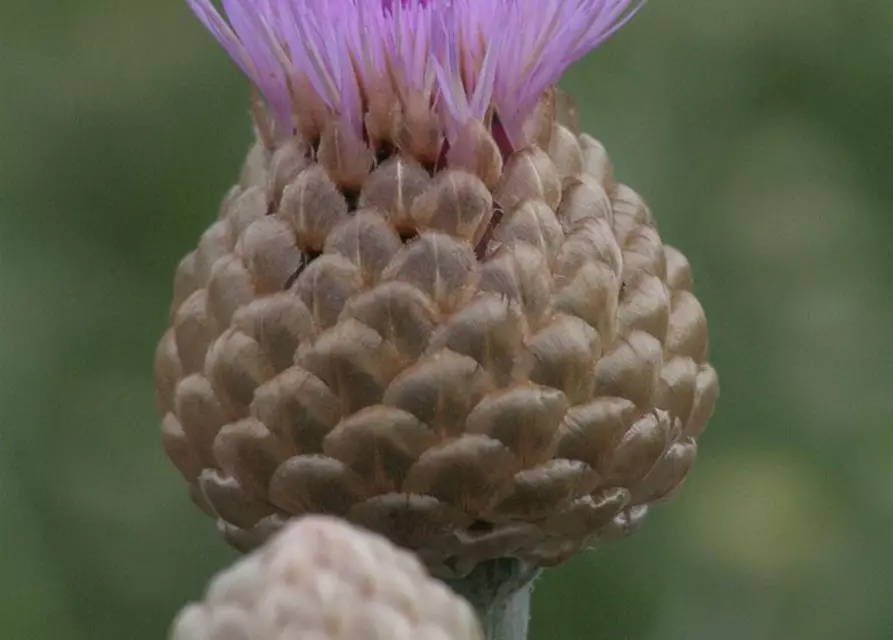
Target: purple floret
465,58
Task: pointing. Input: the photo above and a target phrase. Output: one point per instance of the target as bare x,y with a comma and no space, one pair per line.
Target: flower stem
508,621
499,590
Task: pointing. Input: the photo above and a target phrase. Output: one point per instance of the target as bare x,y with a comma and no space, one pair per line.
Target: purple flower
459,59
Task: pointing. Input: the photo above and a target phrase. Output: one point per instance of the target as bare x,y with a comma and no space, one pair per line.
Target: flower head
361,60
428,307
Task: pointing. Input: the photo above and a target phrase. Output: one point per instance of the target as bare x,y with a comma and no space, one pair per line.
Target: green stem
508,621
499,590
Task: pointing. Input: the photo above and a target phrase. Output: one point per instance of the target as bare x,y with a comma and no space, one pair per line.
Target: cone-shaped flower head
428,307
322,579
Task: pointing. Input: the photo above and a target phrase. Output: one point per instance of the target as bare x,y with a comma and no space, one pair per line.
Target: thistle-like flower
321,579
428,307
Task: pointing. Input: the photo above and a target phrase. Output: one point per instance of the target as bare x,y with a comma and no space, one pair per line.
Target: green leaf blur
759,132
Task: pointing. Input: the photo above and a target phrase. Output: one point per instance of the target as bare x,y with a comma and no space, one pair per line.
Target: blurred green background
760,132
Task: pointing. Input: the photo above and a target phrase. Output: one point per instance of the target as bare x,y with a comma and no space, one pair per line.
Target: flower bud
322,579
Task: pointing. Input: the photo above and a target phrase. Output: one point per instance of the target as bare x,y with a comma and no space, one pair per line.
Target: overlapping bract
502,361
464,58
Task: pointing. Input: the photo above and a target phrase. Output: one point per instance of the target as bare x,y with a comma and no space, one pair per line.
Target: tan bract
497,358
322,579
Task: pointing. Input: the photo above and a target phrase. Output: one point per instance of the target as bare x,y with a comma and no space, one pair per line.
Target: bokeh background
760,132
